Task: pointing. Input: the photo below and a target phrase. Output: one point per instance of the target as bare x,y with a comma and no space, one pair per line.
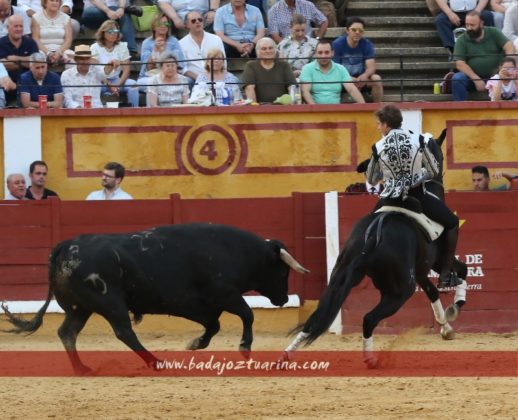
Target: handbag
143,23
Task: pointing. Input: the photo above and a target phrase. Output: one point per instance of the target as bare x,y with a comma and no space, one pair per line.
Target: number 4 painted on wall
209,150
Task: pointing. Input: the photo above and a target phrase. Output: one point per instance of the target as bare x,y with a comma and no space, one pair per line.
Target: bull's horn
292,262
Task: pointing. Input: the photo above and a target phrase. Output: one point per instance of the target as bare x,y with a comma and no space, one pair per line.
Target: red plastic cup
87,101
42,100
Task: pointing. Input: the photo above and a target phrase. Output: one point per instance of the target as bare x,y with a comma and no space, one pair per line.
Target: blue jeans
130,87
93,18
445,27
460,85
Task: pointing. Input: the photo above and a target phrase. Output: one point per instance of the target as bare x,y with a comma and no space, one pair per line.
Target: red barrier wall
29,229
487,243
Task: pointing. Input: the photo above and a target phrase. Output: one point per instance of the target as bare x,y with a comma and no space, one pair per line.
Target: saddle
431,228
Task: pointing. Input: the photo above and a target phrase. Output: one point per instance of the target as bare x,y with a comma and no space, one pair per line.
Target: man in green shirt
316,78
477,55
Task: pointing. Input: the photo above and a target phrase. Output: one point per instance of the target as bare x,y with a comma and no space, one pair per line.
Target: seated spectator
477,53
52,31
168,87
240,26
499,9
480,178
156,45
453,15
6,84
316,77
217,79
15,51
177,10
511,25
110,50
39,81
15,187
38,172
280,15
84,79
298,48
31,7
357,55
95,12
7,10
111,178
267,78
503,86
196,44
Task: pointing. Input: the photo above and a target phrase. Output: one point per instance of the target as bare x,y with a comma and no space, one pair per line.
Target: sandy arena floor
243,398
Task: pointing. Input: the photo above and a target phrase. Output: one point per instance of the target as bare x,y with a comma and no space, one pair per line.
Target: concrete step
385,8
419,22
414,66
413,52
430,97
395,38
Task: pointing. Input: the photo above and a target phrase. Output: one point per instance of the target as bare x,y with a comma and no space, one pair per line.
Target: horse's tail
30,326
343,278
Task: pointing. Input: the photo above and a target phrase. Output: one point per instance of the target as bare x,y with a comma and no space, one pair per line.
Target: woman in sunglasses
110,50
154,46
168,87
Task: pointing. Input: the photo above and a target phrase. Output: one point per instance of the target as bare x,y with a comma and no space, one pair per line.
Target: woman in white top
168,87
504,85
110,50
52,31
226,85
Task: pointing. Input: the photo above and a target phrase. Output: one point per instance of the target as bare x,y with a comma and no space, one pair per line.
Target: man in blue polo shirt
39,81
15,49
322,79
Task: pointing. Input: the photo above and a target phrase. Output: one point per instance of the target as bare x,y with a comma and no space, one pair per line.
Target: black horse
396,254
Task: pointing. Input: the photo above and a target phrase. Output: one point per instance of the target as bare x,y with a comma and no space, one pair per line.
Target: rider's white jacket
403,161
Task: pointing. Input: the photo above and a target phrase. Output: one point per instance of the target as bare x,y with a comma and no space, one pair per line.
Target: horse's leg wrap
368,344
460,292
438,312
296,342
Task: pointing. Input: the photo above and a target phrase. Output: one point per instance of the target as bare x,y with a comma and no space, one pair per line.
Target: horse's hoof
195,344
370,361
452,312
447,332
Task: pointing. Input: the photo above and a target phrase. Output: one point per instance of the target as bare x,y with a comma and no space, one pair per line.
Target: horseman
403,160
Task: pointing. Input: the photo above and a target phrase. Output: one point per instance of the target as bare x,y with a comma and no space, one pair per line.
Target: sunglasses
357,30
162,24
112,31
196,20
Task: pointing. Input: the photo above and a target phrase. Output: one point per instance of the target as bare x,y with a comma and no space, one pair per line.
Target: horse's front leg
433,295
369,358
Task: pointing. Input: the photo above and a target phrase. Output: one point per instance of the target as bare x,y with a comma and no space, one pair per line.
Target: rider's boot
447,277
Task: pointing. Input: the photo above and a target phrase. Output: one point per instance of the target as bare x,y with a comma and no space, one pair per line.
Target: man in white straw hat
82,83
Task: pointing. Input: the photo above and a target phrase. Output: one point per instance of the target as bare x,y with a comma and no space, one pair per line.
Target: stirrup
453,280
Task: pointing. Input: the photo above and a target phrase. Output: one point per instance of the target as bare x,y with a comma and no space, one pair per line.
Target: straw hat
82,51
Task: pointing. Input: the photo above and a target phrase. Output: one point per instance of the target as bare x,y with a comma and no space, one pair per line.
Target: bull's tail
32,325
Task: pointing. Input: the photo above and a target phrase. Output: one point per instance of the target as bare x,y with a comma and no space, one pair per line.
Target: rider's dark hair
479,169
391,115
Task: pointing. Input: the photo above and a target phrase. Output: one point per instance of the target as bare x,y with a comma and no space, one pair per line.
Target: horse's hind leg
388,305
75,320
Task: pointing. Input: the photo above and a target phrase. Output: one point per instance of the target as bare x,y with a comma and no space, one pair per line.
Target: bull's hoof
197,344
447,332
245,351
452,312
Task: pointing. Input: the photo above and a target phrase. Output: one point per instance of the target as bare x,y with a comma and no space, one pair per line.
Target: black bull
195,271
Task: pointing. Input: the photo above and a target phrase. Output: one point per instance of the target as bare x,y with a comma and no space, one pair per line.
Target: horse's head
435,147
